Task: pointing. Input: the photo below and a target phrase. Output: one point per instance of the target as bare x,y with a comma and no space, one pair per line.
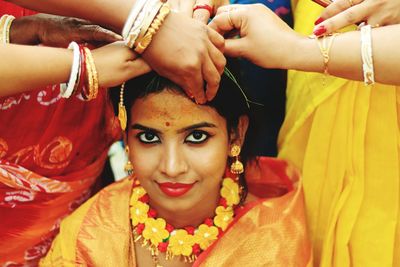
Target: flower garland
189,242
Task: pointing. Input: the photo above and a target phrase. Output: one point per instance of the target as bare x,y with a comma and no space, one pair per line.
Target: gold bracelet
325,47
144,42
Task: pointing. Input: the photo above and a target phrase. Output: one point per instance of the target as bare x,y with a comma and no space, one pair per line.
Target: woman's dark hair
231,102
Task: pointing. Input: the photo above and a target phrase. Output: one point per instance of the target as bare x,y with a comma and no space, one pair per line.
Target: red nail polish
318,21
320,30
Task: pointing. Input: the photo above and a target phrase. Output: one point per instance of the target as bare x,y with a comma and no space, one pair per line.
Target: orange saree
270,231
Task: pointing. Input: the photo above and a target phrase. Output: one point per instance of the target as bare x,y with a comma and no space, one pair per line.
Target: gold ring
376,26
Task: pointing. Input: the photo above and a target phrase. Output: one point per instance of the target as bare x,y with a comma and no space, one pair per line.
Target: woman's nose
173,162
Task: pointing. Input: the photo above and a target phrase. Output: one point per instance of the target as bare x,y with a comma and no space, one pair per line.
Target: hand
116,63
203,15
265,39
342,13
188,52
58,31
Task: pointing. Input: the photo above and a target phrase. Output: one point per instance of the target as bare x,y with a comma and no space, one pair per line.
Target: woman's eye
197,137
148,137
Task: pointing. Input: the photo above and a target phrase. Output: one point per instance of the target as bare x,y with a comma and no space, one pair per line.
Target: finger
216,38
213,79
235,47
336,7
350,16
226,21
95,33
194,87
217,58
225,8
202,13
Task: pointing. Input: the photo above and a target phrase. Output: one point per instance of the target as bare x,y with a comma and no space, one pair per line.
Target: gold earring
128,165
122,117
236,166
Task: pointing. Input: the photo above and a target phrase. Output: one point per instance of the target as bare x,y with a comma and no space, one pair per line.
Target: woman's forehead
172,109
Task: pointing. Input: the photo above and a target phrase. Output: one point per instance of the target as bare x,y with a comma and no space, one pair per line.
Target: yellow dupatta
344,137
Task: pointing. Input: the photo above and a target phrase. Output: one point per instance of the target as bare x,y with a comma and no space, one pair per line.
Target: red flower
144,198
152,213
169,228
190,230
209,222
140,228
222,202
162,247
196,249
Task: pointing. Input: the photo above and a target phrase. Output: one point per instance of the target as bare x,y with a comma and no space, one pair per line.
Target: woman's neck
190,217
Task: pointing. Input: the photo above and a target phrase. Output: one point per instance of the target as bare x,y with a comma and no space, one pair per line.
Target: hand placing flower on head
154,231
230,191
180,243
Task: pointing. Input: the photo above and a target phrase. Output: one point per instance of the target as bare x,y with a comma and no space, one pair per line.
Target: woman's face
178,149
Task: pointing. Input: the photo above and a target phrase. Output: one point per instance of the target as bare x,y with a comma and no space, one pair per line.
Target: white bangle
5,24
366,55
66,90
143,21
133,14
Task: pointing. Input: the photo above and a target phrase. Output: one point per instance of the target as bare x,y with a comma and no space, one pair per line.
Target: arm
342,13
276,45
28,67
197,47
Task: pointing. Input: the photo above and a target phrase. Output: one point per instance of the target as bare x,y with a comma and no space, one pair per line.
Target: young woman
187,201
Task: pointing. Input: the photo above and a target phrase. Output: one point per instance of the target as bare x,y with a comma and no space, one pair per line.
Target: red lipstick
175,189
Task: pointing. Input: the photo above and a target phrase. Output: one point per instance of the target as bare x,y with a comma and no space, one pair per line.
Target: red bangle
82,82
204,6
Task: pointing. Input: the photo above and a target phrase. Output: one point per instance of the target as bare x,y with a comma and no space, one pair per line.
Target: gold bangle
92,75
147,22
144,42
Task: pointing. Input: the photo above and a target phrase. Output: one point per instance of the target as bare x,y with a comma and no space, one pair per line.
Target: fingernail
320,30
318,21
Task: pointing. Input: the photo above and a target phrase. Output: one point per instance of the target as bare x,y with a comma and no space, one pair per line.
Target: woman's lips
175,189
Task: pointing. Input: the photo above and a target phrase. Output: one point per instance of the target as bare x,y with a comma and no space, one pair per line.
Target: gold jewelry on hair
145,41
128,165
122,115
236,166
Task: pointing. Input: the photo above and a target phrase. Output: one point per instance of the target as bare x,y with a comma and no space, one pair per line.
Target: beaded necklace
186,243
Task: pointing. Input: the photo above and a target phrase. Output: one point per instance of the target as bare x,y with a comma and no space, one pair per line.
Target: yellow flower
180,243
205,235
137,193
224,217
154,230
139,212
230,191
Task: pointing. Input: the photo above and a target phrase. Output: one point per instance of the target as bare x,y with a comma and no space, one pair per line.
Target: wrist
25,31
